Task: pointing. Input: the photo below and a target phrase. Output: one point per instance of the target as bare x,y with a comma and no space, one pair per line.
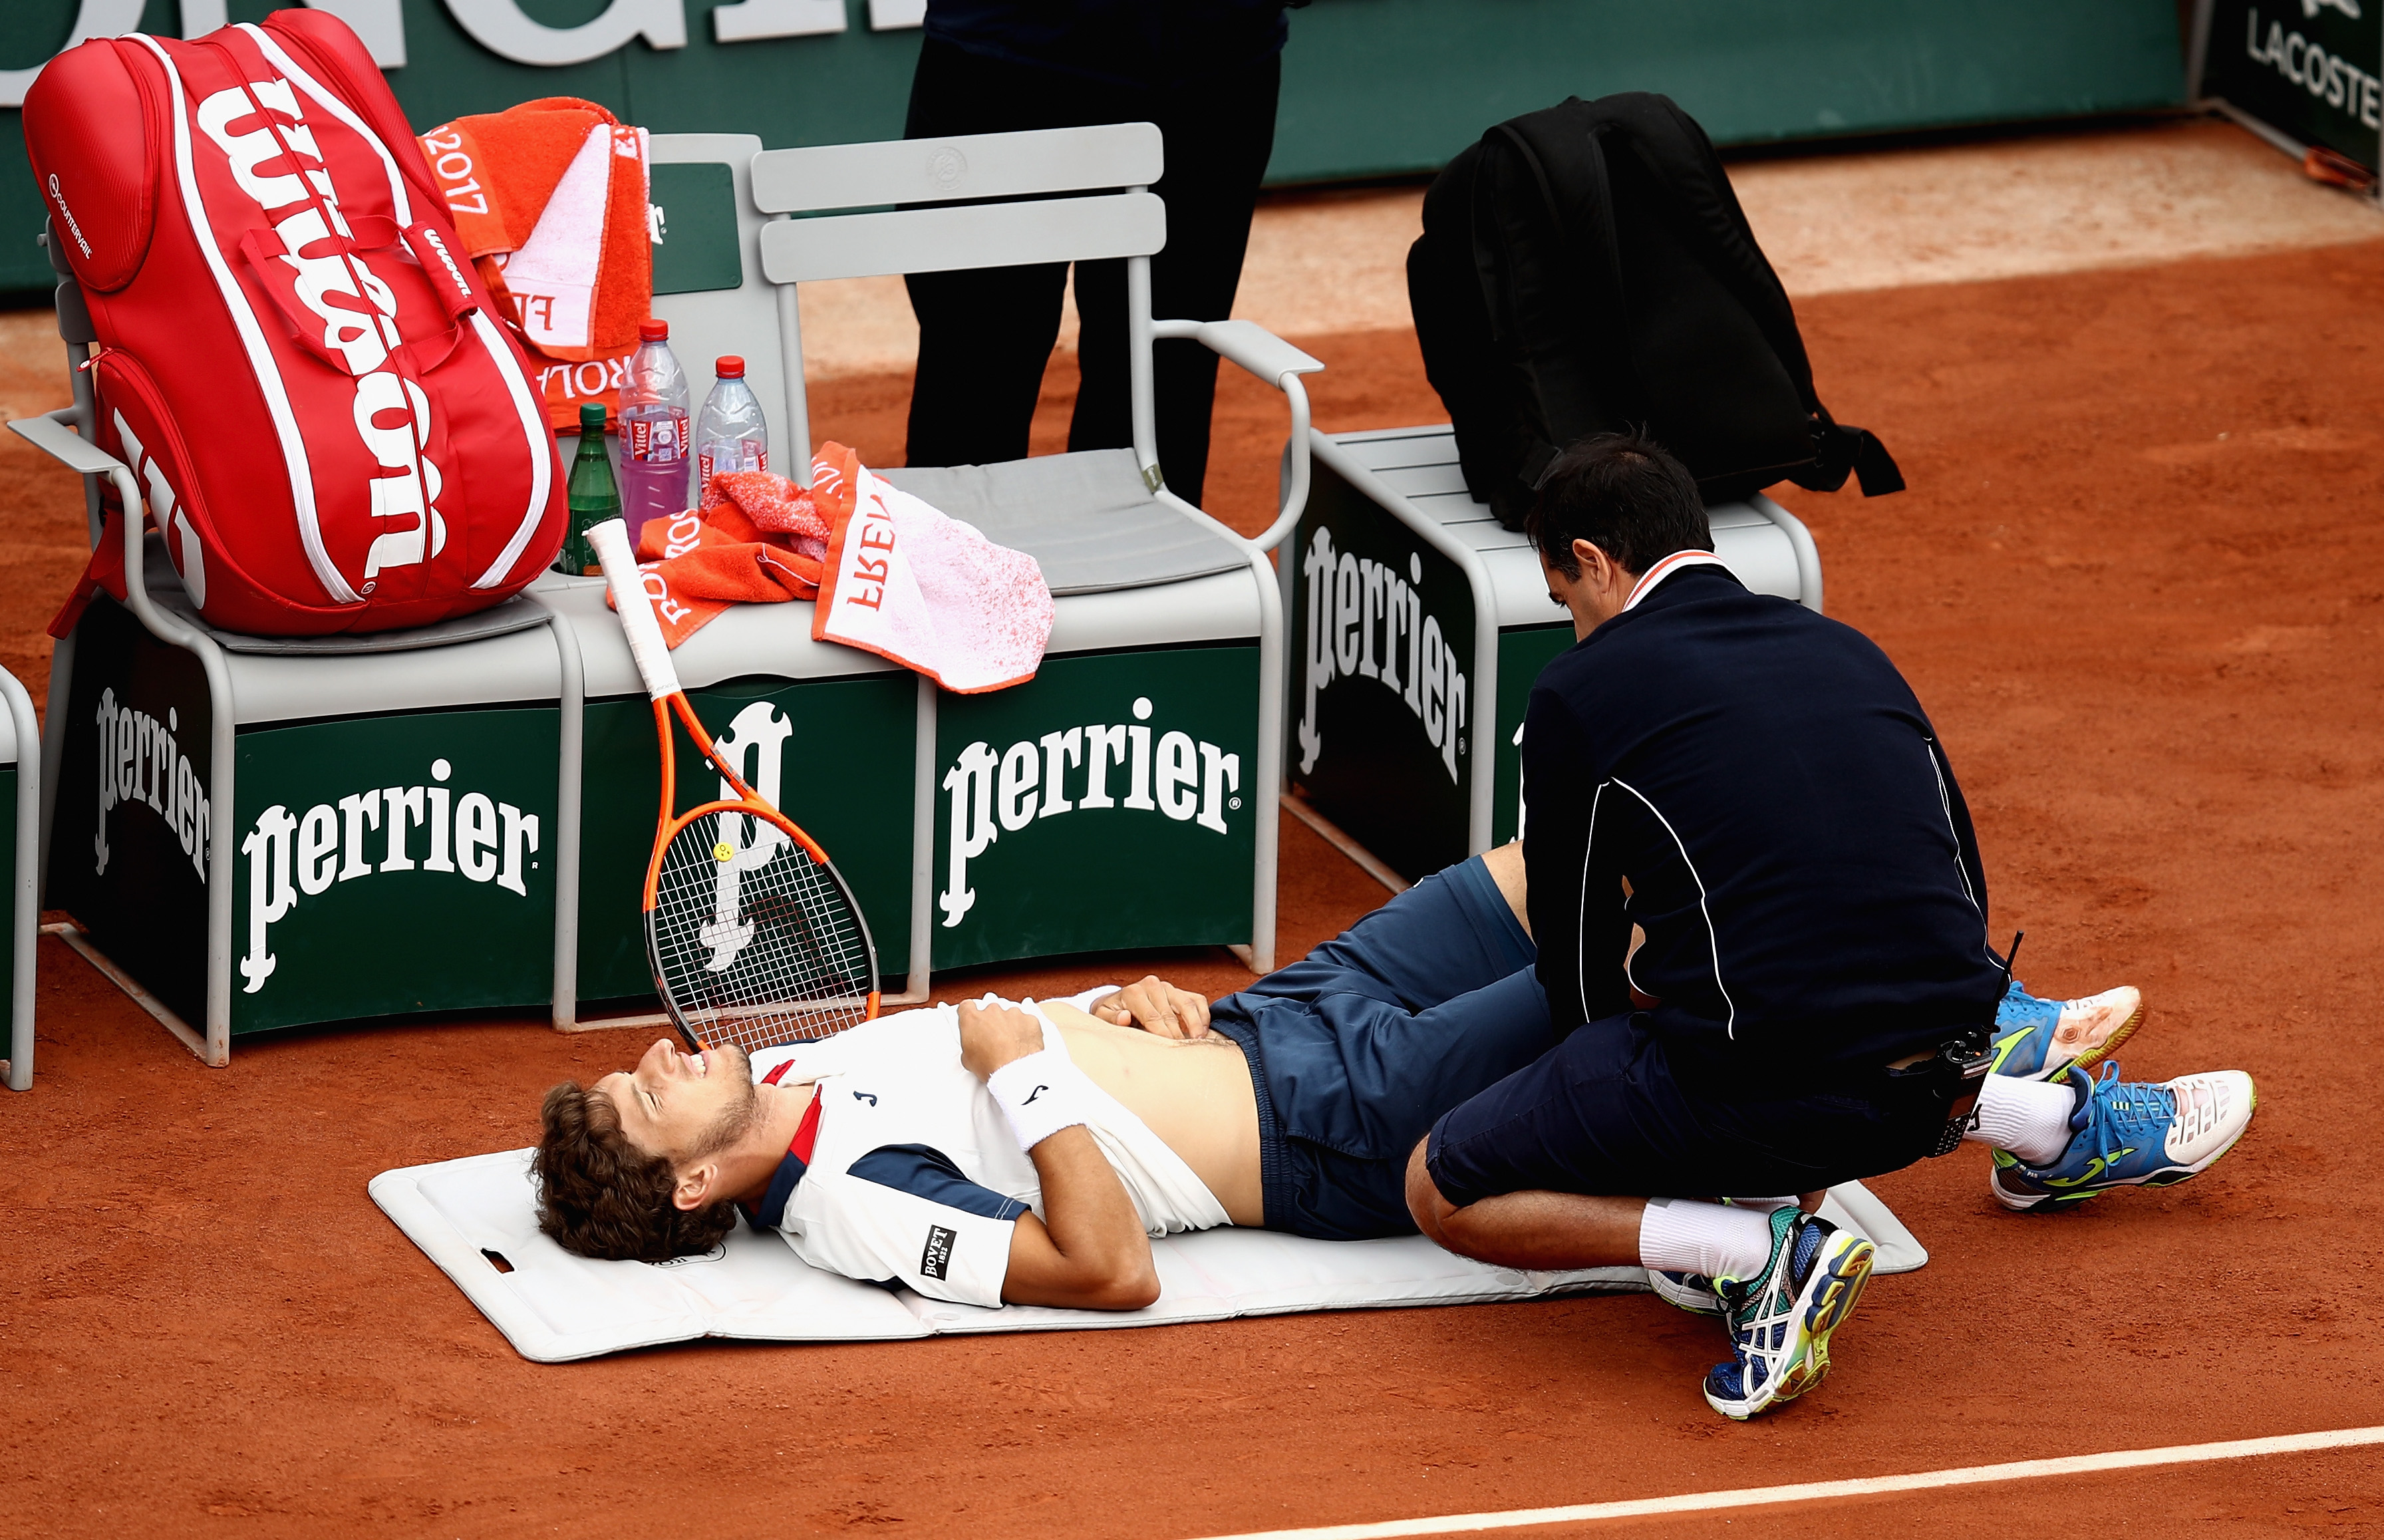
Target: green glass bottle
592,494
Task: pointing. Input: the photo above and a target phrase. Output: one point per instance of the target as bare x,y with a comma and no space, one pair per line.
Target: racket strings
755,942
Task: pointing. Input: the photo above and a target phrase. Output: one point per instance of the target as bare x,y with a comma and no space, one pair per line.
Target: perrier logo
1073,769
430,827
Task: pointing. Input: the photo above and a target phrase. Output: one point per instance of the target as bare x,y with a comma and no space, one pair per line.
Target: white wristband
1040,1094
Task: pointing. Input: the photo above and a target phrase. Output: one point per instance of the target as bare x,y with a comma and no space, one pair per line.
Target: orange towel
755,539
908,583
549,200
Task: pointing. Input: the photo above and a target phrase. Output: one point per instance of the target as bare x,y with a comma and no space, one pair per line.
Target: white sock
2028,1117
1679,1236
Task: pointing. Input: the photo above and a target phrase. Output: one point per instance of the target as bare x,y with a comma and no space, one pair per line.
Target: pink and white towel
906,582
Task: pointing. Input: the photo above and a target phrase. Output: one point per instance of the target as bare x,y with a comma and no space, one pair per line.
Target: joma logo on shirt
1366,621
472,836
936,1260
1188,780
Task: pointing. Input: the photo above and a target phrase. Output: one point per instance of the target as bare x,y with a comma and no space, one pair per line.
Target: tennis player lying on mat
986,1153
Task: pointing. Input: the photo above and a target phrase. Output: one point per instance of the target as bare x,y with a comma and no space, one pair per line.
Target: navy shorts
1356,1050
1608,1112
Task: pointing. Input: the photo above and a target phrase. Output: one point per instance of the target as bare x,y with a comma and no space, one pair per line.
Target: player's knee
1425,1204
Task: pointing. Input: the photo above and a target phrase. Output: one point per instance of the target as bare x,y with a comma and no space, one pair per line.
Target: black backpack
1587,269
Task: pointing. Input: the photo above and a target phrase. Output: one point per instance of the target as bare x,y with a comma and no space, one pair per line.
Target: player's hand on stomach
1157,1008
992,1035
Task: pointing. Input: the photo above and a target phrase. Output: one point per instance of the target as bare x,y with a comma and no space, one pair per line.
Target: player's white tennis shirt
906,1170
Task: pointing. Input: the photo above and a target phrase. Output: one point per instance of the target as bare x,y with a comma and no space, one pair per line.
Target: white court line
1812,1491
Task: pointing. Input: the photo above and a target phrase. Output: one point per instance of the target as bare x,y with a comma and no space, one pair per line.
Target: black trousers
984,334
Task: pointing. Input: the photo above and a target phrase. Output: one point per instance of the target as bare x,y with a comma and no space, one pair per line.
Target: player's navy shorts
1355,1050
1427,1017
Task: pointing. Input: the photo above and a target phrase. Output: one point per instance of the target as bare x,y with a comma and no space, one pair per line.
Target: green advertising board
840,749
358,898
2304,71
1101,806
399,863
1371,87
1382,695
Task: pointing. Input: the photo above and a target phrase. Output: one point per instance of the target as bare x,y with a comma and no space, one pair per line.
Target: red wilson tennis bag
331,433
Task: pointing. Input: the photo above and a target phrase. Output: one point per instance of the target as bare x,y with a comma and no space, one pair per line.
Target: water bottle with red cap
653,431
730,434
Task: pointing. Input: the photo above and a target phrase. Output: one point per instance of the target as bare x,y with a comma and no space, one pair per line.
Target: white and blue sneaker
1781,1320
1693,1292
2131,1135
2042,1039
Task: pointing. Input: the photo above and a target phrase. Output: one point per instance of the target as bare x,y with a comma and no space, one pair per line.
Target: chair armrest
62,444
1264,354
1246,343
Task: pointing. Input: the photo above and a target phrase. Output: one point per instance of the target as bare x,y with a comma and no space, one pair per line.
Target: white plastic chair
1101,521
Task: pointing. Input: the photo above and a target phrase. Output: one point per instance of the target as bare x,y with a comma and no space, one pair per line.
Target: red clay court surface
2138,581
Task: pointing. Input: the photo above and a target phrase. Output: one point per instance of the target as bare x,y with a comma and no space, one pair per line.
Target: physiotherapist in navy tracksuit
1755,789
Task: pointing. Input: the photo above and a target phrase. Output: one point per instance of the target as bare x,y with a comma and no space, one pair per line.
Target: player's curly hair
600,1196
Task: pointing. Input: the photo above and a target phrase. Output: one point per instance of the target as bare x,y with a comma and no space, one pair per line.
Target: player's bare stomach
1195,1096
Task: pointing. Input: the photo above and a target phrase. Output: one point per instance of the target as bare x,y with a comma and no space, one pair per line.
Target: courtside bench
1419,624
457,818
20,841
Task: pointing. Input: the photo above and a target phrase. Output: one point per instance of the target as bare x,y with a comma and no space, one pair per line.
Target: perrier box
396,813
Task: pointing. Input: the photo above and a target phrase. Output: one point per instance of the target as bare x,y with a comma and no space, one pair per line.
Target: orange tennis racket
751,932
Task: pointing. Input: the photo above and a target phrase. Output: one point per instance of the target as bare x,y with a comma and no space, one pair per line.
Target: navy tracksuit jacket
1795,847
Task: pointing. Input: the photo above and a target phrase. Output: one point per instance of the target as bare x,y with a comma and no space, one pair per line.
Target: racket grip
611,540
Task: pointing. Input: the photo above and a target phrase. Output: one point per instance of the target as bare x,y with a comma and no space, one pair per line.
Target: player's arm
1088,1251
1093,1254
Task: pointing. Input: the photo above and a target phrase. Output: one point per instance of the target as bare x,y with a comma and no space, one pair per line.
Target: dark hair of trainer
602,1196
1624,495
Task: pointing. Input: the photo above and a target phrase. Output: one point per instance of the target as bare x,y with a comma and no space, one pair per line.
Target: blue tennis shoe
2043,1040
1781,1320
1693,1292
2132,1135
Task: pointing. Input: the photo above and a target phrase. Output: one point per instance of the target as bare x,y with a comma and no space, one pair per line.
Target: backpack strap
1840,451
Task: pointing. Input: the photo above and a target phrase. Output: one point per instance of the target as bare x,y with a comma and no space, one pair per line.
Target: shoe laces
1757,1308
2122,1111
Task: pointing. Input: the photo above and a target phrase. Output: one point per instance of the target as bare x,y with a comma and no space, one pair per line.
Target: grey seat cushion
517,614
1085,517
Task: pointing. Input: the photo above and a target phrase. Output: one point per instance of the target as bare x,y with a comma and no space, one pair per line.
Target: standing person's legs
984,334
1218,136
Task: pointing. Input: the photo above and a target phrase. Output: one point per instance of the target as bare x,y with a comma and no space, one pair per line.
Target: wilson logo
1076,769
141,765
357,311
1367,621
473,836
458,288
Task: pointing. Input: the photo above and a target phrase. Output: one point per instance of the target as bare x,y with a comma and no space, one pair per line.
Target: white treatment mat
553,1307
